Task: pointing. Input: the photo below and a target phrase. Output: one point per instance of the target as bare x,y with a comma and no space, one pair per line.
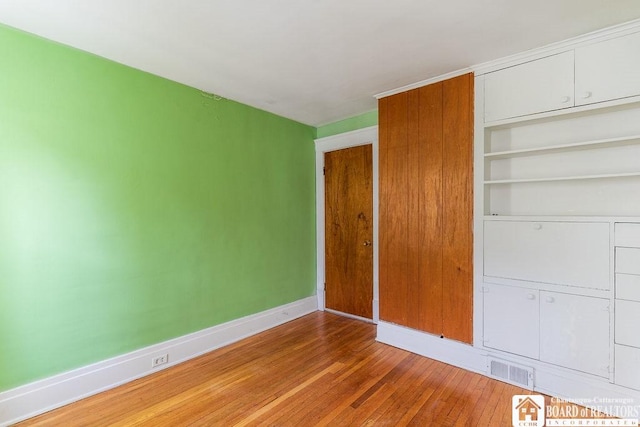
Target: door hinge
324,171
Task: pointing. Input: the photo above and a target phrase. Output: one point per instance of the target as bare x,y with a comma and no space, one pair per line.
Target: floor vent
511,373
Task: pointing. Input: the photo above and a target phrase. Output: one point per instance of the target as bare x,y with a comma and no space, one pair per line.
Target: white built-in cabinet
559,173
504,304
574,332
553,302
560,253
607,70
542,85
627,304
566,330
590,74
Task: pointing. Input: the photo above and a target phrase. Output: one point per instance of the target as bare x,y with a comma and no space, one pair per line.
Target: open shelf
562,178
564,165
586,145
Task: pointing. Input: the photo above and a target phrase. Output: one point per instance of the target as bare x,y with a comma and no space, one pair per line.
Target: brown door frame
355,138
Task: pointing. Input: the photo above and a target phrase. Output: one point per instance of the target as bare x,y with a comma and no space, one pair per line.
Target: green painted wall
346,125
133,209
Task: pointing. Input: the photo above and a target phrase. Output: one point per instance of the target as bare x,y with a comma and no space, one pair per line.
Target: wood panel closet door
425,208
410,209
427,215
394,201
457,174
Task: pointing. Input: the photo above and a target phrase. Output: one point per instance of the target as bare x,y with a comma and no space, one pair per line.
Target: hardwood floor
321,369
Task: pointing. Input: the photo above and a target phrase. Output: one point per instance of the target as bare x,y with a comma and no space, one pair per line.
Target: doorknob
367,242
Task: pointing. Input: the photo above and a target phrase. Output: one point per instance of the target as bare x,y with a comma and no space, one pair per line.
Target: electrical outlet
160,360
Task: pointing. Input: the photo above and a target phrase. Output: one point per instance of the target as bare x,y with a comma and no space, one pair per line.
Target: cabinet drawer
627,362
563,253
627,321
627,234
628,287
628,260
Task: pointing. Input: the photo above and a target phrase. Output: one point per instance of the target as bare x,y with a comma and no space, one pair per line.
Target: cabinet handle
537,226
367,243
566,99
586,95
550,299
531,296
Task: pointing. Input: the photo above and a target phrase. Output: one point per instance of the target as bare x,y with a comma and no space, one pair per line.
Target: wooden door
426,208
411,209
426,202
394,205
348,208
457,224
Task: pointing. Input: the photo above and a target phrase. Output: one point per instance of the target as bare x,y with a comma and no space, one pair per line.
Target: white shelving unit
557,179
563,178
587,163
560,148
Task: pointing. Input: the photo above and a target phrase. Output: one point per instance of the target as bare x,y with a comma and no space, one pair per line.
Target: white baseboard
44,395
349,315
567,385
451,352
550,380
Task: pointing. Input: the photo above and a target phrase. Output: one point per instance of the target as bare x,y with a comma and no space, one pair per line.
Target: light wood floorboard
321,369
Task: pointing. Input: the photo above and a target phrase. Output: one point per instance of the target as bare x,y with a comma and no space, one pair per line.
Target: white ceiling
315,61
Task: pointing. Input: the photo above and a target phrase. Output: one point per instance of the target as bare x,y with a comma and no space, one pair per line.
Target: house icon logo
528,410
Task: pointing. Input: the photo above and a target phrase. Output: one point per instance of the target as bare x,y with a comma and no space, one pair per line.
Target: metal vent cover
511,373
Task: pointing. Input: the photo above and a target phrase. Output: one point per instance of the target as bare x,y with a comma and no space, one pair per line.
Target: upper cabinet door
542,85
608,70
